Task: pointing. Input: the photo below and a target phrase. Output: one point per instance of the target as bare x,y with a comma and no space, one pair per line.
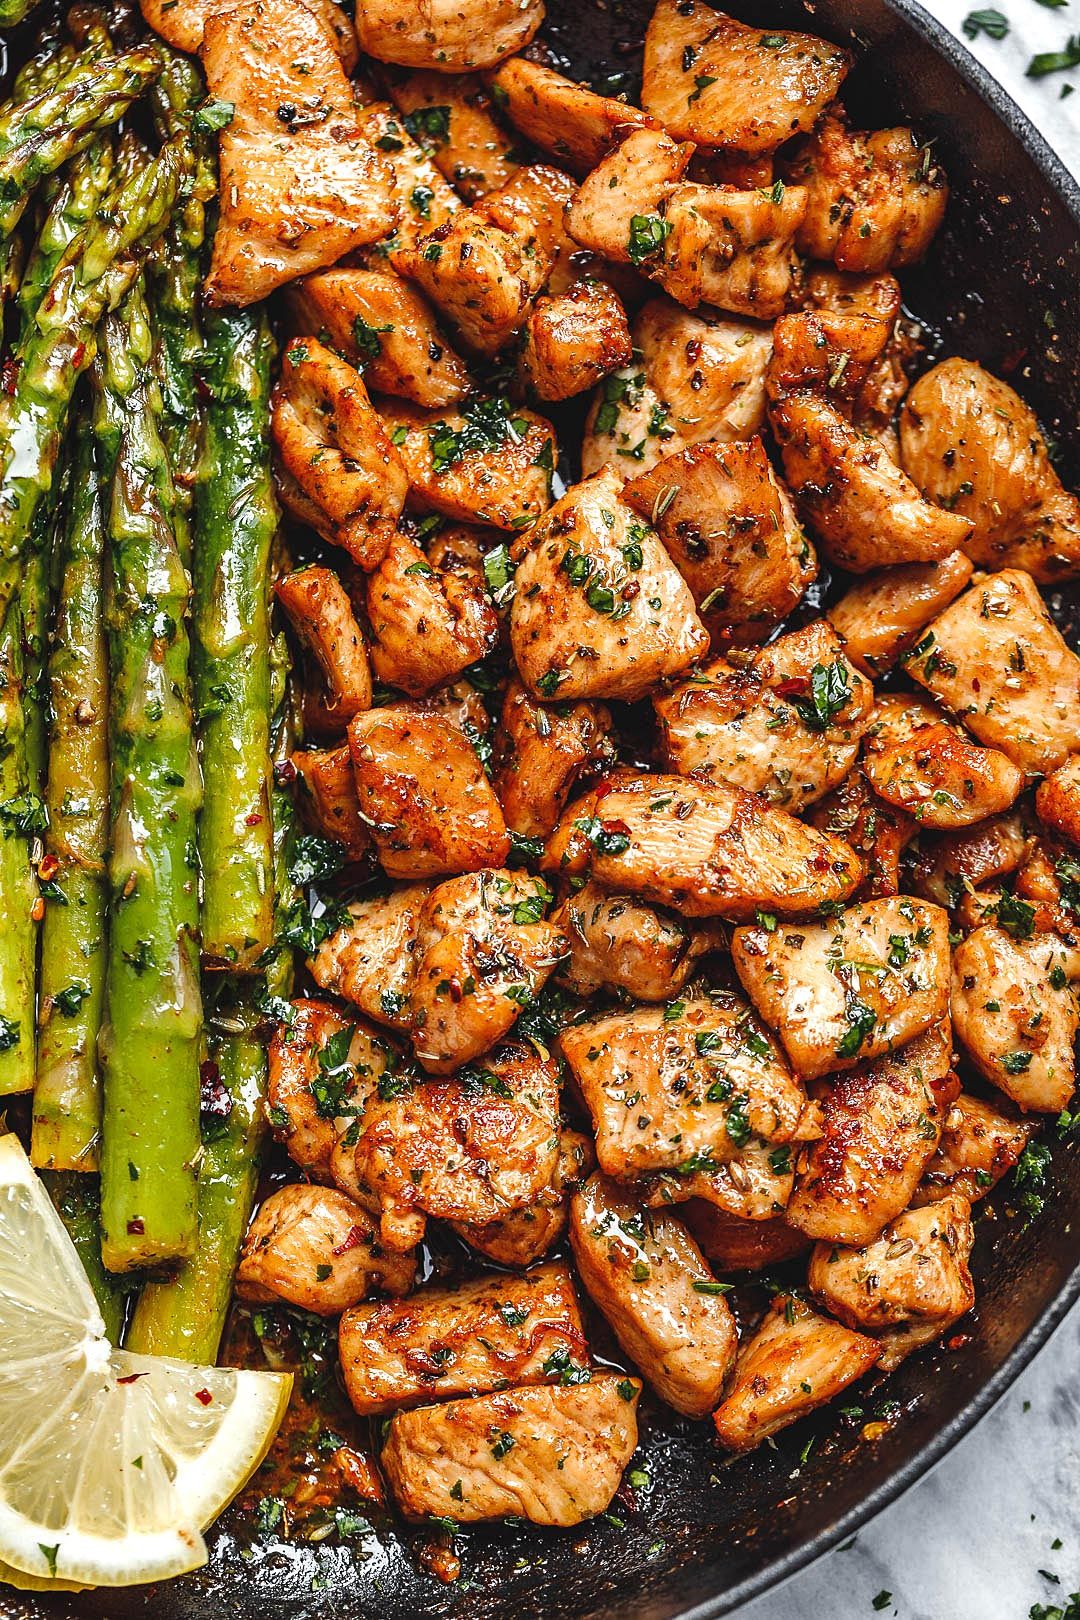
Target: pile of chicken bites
678,916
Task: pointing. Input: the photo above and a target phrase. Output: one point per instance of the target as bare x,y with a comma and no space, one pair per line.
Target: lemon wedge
111,1464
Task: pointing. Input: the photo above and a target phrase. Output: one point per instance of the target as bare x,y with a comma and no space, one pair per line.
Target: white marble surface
970,1540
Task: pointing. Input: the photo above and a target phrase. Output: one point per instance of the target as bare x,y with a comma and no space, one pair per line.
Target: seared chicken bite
969,442
328,797
944,780
946,867
295,192
732,1244
881,616
706,849
446,35
386,328
568,120
531,206
541,750
421,199
477,1336
320,612
369,961
451,116
481,278
996,658
1015,1015
1057,800
978,1145
483,951
527,1234
314,1248
851,987
481,464
570,342
618,943
784,722
333,450
681,1093
731,530
875,200
553,1454
599,609
713,80
473,1148
615,210
322,1065
427,625
423,792
181,23
754,1184
648,1277
909,1285
875,830
728,247
882,1123
794,1362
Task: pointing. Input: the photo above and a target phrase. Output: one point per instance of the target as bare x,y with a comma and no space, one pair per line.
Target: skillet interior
1003,287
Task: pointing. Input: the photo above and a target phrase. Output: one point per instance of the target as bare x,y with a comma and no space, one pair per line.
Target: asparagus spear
149,1042
19,819
12,258
91,277
67,1096
78,1203
235,522
39,135
78,195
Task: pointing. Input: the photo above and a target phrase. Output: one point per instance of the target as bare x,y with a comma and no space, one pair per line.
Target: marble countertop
983,1536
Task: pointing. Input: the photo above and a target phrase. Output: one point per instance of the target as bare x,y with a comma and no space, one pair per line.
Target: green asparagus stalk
235,520
78,1203
39,135
19,820
78,195
149,1044
12,259
67,1096
91,277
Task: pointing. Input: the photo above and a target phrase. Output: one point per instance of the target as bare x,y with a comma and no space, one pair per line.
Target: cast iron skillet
1003,287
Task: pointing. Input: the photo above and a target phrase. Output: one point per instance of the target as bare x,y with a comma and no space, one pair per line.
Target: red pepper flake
617,828
135,1226
602,789
132,1378
214,1098
78,355
285,772
958,1341
48,867
204,1396
9,376
253,820
356,1236
795,686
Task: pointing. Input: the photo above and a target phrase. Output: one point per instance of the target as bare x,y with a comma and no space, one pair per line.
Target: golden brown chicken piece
706,849
550,1454
474,1148
447,36
526,1235
713,80
863,509
384,327
876,832
322,1064
423,792
332,448
1057,800
946,867
316,1249
754,1185
599,609
996,658
733,1244
481,464
484,950
452,117
570,342
480,1335
882,615
699,378
328,797
181,24
970,443
944,780
422,199
618,943
878,295
730,248
567,120
541,751
906,1287
784,722
882,1122
320,612
298,191
370,959
1016,1017
615,210
850,987
826,352
794,1362
979,1144
647,1275
681,1088
530,206
427,625
481,278
875,200
731,530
